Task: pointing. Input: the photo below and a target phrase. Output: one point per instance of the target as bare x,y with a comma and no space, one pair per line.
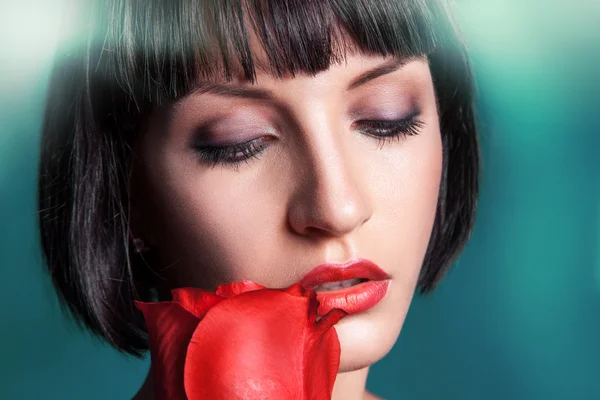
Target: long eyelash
392,130
214,155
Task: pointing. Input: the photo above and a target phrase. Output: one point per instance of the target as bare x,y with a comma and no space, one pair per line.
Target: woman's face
321,189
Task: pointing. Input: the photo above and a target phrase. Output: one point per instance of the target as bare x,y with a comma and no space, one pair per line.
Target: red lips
353,299
355,269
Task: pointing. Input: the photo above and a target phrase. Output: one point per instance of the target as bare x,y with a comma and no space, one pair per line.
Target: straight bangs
156,50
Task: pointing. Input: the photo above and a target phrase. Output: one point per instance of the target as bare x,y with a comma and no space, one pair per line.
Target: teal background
518,316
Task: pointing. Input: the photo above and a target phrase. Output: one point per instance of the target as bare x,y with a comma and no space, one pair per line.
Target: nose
332,196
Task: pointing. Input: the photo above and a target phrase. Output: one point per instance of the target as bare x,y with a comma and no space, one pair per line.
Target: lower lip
354,299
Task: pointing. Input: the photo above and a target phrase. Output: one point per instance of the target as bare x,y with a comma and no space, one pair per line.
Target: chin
366,338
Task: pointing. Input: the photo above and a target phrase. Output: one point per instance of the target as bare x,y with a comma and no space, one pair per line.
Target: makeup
357,285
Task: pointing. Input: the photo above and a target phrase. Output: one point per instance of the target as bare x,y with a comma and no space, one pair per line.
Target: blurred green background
518,317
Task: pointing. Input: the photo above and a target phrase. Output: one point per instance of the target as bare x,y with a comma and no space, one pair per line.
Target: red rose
244,341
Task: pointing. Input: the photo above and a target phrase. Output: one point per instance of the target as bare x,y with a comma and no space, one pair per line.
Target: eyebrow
386,68
262,94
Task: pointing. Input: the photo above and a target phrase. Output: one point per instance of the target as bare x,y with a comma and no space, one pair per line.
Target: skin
322,191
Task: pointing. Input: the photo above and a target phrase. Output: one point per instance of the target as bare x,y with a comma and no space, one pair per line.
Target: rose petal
229,290
324,355
170,328
313,305
261,345
296,290
326,347
196,301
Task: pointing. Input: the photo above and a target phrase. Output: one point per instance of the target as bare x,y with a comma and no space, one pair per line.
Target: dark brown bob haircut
131,56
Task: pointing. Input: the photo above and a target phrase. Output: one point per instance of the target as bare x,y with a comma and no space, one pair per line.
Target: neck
348,386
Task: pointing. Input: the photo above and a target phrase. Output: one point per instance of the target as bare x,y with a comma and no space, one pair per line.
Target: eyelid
225,145
386,101
411,115
207,136
236,125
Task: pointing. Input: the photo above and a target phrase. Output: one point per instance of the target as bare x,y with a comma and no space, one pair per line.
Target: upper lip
355,269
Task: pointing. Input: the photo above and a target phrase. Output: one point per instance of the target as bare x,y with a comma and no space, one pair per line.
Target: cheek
408,197
212,231
420,188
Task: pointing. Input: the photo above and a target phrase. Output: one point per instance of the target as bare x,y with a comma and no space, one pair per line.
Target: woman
195,143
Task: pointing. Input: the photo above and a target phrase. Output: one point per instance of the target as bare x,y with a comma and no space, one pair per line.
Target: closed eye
391,130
